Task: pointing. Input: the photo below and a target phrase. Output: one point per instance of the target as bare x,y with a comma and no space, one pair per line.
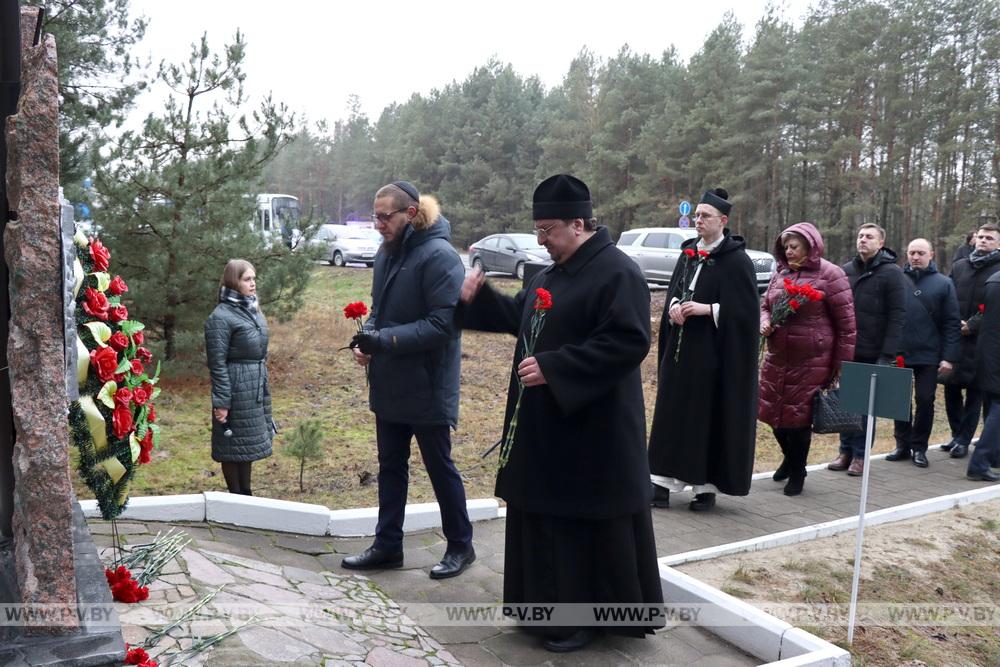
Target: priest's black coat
580,443
705,419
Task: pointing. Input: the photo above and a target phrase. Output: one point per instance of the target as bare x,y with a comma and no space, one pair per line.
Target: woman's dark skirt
549,559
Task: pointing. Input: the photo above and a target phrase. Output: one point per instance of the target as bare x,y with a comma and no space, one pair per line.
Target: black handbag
830,417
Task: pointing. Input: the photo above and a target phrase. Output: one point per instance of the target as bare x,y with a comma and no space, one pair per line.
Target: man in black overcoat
705,421
576,482
987,452
970,276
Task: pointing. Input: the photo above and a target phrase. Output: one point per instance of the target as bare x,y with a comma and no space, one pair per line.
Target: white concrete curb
748,628
806,533
281,515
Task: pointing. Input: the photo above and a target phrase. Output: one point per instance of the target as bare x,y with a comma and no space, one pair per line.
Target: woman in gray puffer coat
236,344
805,352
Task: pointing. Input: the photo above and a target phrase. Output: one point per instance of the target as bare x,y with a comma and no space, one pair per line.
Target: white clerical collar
713,245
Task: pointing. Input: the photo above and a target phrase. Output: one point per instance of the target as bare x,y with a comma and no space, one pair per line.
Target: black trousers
914,434
394,475
963,415
794,443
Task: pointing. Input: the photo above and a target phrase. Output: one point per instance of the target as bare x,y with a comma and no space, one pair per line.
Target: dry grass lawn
311,379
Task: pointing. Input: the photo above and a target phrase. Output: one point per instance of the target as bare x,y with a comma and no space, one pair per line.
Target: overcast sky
313,54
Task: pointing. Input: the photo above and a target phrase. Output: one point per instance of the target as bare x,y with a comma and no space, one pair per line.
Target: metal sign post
858,395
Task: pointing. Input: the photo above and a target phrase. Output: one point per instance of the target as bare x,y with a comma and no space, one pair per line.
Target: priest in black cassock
705,418
577,479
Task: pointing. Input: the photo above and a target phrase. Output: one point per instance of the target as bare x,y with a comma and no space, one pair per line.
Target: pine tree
176,198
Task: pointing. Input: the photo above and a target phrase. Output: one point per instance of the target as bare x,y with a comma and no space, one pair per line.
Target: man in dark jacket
575,479
970,276
879,312
705,419
930,345
987,452
413,350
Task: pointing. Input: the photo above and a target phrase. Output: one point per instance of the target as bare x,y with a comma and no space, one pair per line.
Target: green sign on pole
892,396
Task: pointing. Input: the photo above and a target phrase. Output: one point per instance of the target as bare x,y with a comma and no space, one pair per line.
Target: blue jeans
988,447
854,443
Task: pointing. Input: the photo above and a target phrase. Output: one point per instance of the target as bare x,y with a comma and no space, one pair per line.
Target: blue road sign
685,208
685,221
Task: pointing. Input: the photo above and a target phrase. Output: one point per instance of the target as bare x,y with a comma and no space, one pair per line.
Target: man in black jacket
987,451
930,345
412,348
879,310
970,276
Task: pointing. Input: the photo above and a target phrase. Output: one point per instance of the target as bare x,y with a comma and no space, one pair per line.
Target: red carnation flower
100,255
689,252
95,304
137,368
117,286
121,421
794,305
136,655
105,361
138,338
982,308
118,313
900,362
145,355
353,311
146,446
140,396
151,417
703,254
118,340
543,299
123,396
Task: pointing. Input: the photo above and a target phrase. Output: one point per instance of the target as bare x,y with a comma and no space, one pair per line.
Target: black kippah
717,197
409,189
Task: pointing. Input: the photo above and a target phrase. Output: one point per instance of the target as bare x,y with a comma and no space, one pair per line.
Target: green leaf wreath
113,422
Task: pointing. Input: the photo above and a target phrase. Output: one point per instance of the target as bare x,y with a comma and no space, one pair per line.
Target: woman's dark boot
794,486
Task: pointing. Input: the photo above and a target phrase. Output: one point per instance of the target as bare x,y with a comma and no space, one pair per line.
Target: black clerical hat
562,197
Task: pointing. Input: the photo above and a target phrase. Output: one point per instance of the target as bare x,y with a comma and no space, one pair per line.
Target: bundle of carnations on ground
123,587
788,304
113,422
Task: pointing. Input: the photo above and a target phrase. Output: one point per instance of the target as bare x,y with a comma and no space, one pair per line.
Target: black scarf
980,260
232,296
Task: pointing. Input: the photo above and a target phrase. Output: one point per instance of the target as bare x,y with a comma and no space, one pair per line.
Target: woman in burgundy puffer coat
805,352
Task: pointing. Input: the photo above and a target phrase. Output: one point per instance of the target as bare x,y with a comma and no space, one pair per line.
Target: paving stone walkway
309,611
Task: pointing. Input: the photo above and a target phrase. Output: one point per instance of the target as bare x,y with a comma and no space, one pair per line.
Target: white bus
277,216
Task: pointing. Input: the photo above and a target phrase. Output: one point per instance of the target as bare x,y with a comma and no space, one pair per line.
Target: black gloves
366,341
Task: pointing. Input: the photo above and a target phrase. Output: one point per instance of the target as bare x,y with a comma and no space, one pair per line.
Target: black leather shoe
794,486
702,502
373,558
781,474
949,445
920,459
661,497
454,563
898,454
988,476
959,451
574,642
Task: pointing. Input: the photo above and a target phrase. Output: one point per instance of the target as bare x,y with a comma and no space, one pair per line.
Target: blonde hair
235,268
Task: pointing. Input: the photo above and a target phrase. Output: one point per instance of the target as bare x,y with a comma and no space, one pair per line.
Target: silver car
342,244
507,253
657,249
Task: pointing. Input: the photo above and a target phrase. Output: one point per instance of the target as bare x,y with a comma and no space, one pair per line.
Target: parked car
342,244
656,250
507,253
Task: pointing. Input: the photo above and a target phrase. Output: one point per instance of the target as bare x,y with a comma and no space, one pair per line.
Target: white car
656,250
342,244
